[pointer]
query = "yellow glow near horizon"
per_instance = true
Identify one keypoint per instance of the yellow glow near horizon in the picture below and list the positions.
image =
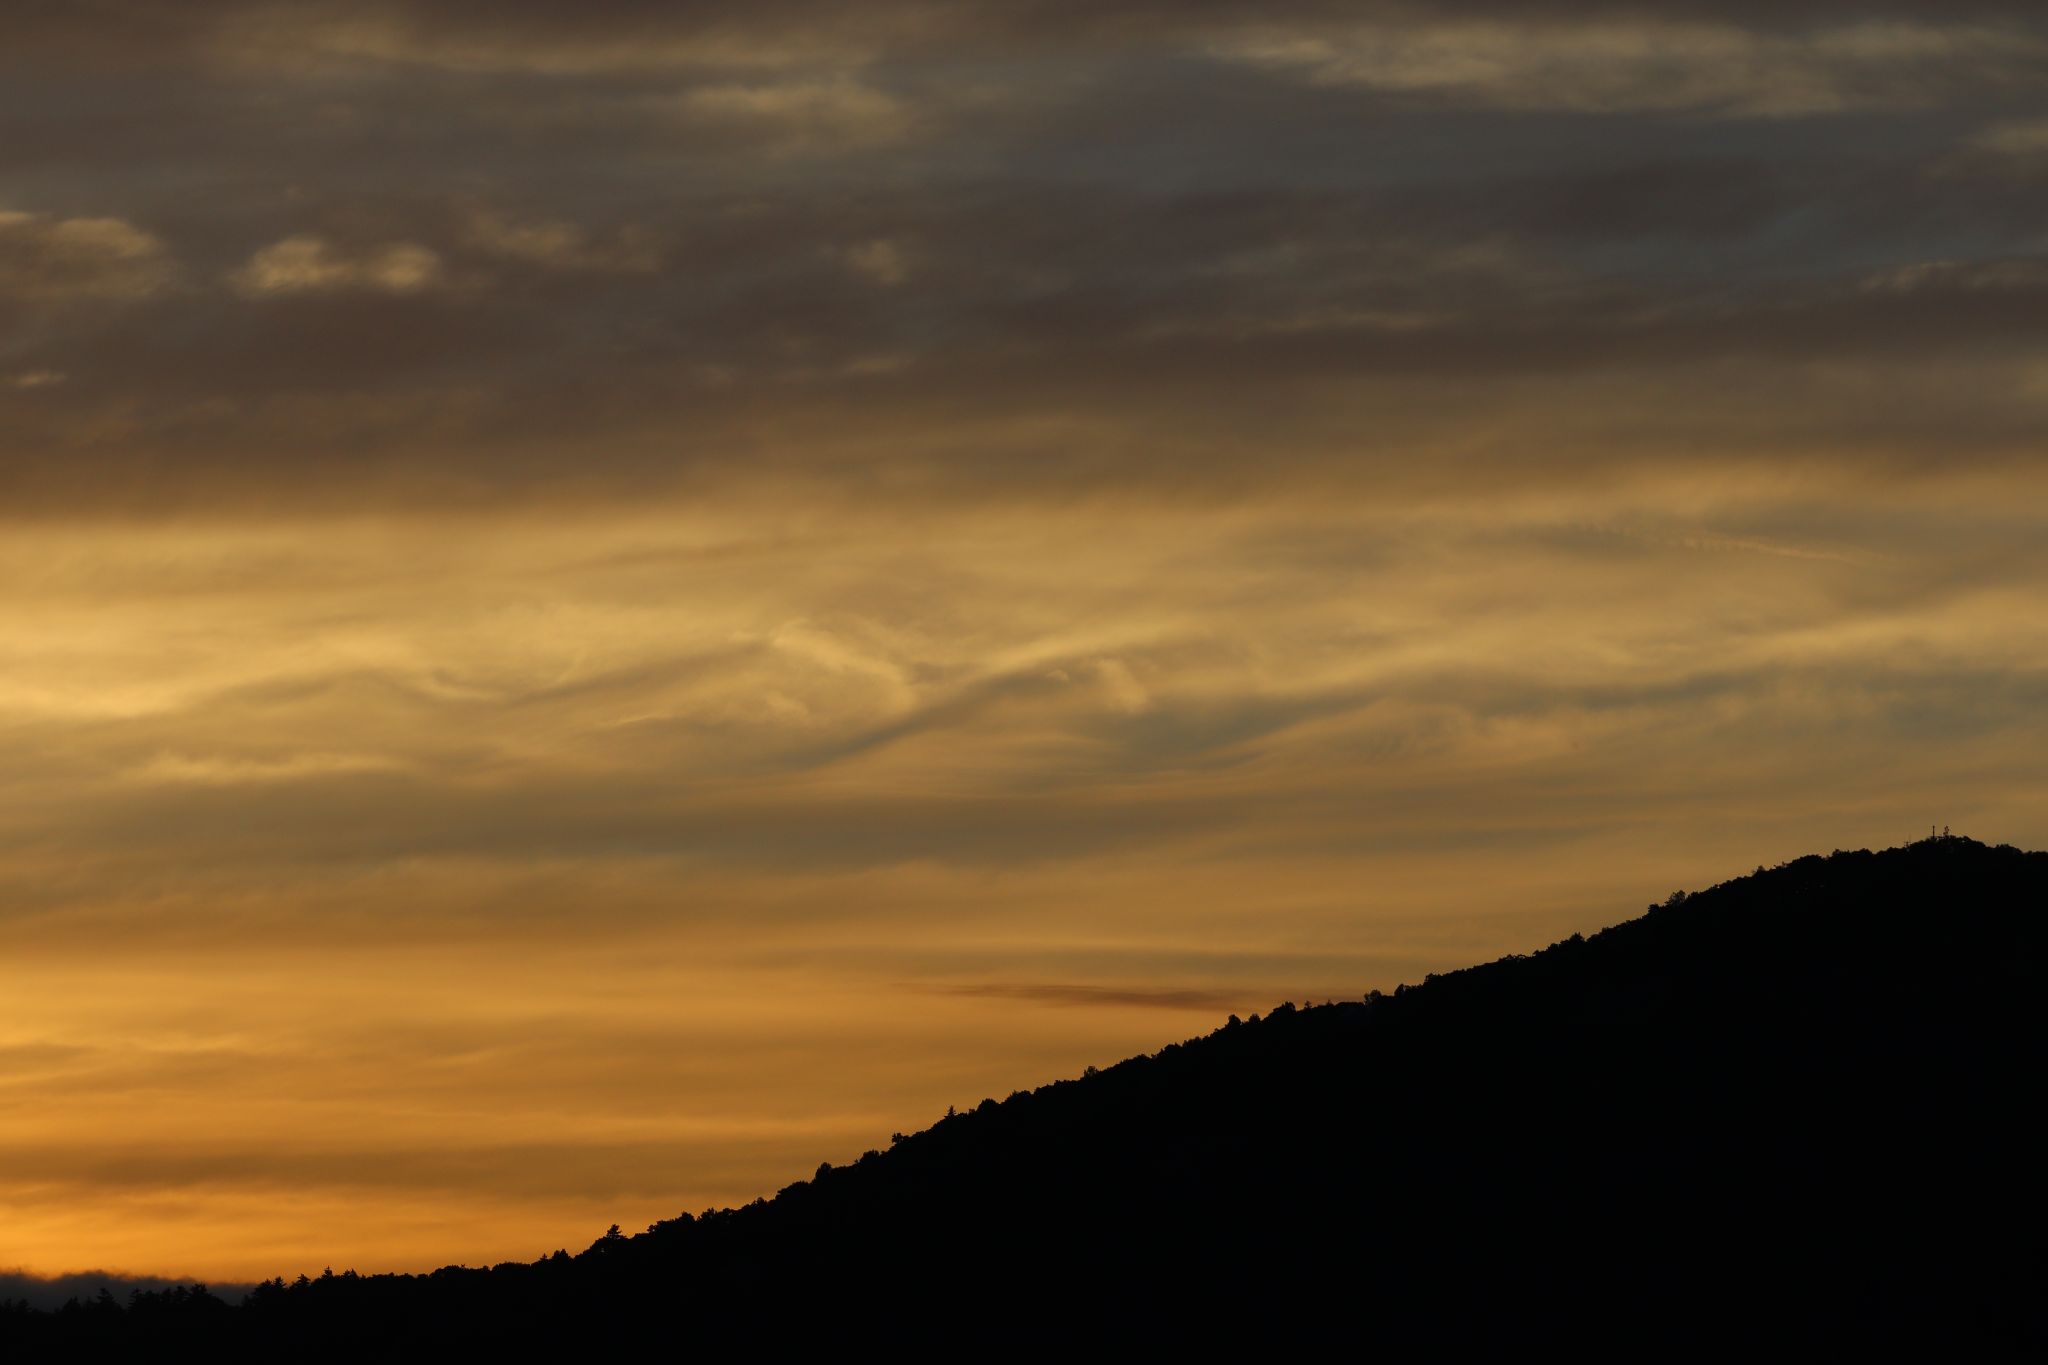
(393, 893)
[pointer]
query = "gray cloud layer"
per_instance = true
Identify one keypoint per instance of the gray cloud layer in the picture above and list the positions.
(429, 250)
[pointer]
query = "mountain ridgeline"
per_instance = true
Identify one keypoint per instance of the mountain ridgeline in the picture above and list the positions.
(1789, 1112)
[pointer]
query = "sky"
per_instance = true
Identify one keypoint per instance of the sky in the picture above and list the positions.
(602, 603)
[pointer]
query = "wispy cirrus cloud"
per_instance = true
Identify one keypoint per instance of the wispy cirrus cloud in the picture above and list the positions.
(1092, 996)
(797, 116)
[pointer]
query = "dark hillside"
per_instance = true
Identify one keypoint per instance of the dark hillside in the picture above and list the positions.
(1791, 1112)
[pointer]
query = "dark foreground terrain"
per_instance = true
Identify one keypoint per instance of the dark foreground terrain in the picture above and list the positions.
(1791, 1113)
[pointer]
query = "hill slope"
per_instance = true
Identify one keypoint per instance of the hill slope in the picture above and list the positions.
(1788, 1111)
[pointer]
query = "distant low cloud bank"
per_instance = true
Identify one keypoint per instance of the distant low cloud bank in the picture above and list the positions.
(52, 1291)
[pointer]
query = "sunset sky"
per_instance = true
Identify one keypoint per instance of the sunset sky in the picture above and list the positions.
(603, 602)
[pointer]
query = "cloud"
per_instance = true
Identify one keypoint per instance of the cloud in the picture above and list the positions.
(611, 40)
(2022, 138)
(1614, 66)
(310, 264)
(650, 267)
(180, 769)
(881, 260)
(788, 117)
(1206, 1002)
(51, 260)
(36, 379)
(556, 245)
(623, 38)
(2000, 277)
(53, 1291)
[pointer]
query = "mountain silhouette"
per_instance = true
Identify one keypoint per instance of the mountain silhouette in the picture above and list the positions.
(1792, 1112)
